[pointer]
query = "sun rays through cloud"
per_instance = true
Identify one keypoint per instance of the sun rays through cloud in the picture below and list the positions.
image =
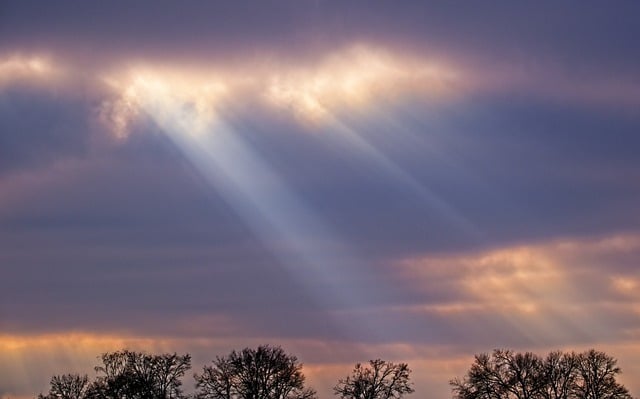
(357, 78)
(413, 182)
(311, 253)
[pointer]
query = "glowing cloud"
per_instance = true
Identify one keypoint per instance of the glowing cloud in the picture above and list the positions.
(185, 106)
(542, 289)
(21, 68)
(185, 101)
(193, 97)
(356, 78)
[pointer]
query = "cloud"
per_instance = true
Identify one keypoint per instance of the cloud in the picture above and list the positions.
(41, 128)
(356, 77)
(345, 80)
(160, 93)
(555, 293)
(455, 179)
(26, 70)
(533, 169)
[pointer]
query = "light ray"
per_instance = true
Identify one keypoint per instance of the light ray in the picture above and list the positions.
(355, 80)
(312, 254)
(540, 291)
(398, 174)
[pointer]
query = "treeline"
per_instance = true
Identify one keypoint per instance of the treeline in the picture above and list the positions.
(269, 373)
(263, 373)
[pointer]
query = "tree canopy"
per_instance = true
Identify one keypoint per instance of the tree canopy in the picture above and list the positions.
(377, 380)
(505, 374)
(67, 386)
(263, 373)
(136, 375)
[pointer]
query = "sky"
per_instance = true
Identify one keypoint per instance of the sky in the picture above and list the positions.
(412, 181)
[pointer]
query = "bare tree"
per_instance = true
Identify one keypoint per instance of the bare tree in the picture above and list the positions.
(508, 375)
(68, 386)
(597, 380)
(503, 374)
(522, 373)
(560, 375)
(262, 373)
(134, 375)
(378, 380)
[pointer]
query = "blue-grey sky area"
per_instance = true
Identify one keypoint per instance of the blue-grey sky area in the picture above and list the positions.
(416, 181)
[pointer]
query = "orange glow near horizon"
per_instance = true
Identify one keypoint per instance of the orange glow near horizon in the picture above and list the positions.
(27, 361)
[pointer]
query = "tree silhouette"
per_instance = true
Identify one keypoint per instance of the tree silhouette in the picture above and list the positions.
(560, 375)
(262, 373)
(509, 375)
(378, 380)
(68, 386)
(135, 375)
(597, 377)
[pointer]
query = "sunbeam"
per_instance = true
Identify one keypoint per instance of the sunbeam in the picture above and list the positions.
(396, 173)
(312, 253)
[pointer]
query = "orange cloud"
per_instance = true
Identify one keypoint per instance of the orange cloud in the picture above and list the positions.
(536, 286)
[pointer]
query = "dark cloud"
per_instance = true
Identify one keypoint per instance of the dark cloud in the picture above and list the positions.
(40, 126)
(584, 38)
